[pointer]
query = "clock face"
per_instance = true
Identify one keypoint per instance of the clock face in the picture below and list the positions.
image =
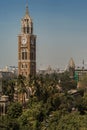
(24, 40)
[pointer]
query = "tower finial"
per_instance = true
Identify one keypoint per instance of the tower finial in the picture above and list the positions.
(27, 12)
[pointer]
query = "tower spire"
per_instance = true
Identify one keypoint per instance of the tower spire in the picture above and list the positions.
(27, 11)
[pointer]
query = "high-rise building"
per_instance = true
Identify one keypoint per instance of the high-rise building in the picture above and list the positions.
(26, 47)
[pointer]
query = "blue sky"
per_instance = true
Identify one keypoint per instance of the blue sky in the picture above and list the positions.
(60, 26)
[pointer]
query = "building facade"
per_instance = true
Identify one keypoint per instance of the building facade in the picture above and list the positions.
(27, 47)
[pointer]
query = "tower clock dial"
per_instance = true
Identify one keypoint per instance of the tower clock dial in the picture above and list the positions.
(24, 40)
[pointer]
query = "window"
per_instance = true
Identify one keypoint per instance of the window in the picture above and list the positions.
(24, 66)
(24, 54)
(34, 40)
(31, 30)
(32, 68)
(32, 55)
(27, 29)
(26, 73)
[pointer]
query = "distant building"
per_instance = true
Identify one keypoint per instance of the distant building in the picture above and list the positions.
(6, 75)
(71, 68)
(4, 102)
(50, 70)
(8, 72)
(76, 71)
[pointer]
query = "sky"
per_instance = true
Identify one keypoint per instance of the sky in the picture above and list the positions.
(60, 26)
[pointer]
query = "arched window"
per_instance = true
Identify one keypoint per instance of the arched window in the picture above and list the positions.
(24, 65)
(24, 54)
(32, 55)
(24, 29)
(27, 29)
(32, 68)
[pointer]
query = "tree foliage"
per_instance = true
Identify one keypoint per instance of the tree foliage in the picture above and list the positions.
(50, 106)
(14, 110)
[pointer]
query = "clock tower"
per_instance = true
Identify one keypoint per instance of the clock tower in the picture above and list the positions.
(27, 47)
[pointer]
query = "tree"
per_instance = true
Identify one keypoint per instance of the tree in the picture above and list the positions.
(66, 82)
(31, 118)
(8, 88)
(72, 121)
(21, 88)
(14, 110)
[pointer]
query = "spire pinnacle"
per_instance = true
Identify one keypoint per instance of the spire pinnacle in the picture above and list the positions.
(27, 11)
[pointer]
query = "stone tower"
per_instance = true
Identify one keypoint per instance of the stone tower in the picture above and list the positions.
(27, 47)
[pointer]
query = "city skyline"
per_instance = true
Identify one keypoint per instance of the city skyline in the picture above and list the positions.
(60, 26)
